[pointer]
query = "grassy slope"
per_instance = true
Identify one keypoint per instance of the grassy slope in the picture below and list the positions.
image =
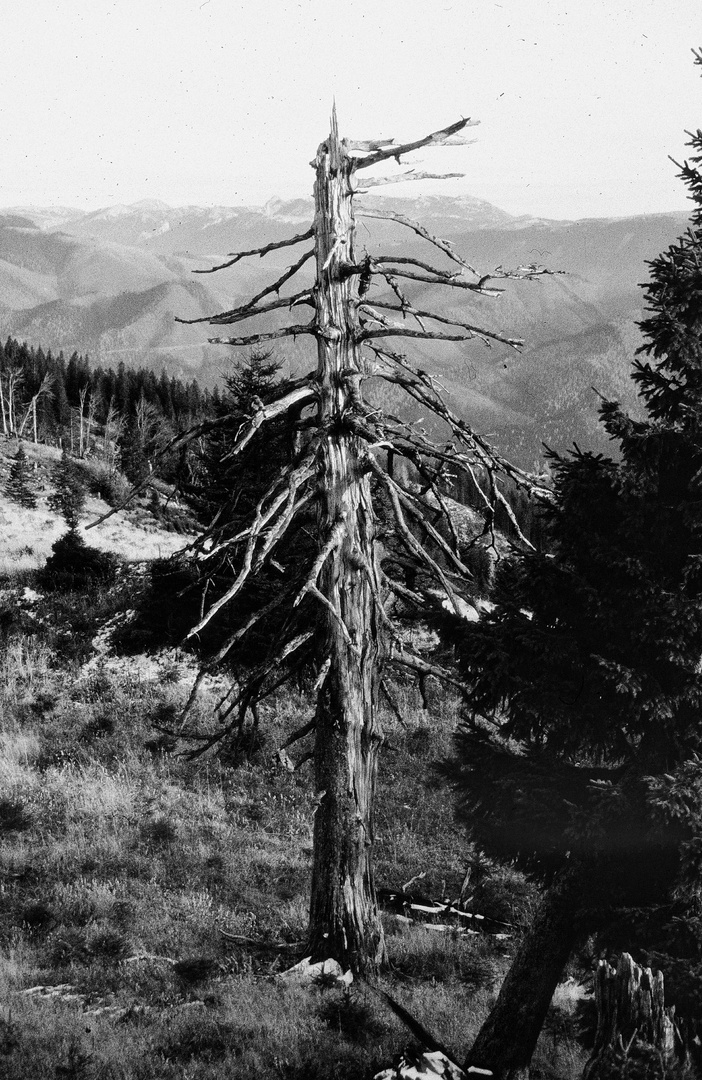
(120, 865)
(26, 536)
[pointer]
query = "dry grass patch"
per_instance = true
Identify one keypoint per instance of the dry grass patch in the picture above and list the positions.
(172, 892)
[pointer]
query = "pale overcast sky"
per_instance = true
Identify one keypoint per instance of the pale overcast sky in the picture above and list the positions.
(225, 101)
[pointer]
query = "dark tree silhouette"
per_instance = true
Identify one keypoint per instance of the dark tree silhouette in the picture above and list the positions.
(19, 486)
(580, 758)
(68, 496)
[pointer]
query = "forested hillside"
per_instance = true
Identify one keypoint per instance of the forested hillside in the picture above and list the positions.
(124, 415)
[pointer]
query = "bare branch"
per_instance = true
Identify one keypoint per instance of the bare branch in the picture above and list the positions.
(332, 543)
(409, 500)
(418, 385)
(381, 181)
(303, 392)
(252, 560)
(273, 335)
(486, 336)
(248, 693)
(301, 733)
(443, 508)
(385, 689)
(405, 331)
(238, 314)
(417, 663)
(326, 602)
(404, 260)
(276, 285)
(435, 139)
(262, 613)
(297, 392)
(409, 223)
(511, 515)
(451, 280)
(236, 256)
(366, 144)
(409, 538)
(401, 590)
(405, 304)
(522, 273)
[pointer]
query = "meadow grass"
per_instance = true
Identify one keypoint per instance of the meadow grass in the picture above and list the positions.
(165, 897)
(27, 535)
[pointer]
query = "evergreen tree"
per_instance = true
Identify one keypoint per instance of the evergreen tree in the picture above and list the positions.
(581, 756)
(239, 483)
(133, 456)
(228, 490)
(19, 485)
(68, 497)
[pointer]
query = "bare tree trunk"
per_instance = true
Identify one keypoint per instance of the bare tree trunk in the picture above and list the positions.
(507, 1040)
(344, 918)
(81, 445)
(2, 407)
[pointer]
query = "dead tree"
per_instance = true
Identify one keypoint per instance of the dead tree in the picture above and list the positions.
(339, 467)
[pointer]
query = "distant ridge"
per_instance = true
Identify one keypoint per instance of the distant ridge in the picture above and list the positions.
(111, 282)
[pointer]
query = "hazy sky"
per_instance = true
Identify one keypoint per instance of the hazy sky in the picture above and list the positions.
(225, 101)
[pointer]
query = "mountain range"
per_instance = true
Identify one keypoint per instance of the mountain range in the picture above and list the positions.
(111, 282)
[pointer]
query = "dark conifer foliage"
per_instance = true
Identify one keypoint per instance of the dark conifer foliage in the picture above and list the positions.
(74, 565)
(228, 491)
(68, 496)
(19, 485)
(581, 755)
(240, 482)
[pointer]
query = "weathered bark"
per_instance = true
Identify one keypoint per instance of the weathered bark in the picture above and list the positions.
(344, 918)
(506, 1041)
(630, 1006)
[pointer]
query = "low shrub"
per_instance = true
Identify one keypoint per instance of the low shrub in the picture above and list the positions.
(109, 484)
(74, 564)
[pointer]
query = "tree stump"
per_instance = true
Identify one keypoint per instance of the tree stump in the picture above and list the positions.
(630, 1010)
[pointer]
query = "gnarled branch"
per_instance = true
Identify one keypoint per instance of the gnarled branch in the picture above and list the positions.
(410, 540)
(245, 311)
(434, 335)
(409, 223)
(237, 255)
(437, 138)
(272, 335)
(486, 336)
(381, 181)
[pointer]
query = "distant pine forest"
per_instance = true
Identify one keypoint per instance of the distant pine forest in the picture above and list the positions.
(126, 415)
